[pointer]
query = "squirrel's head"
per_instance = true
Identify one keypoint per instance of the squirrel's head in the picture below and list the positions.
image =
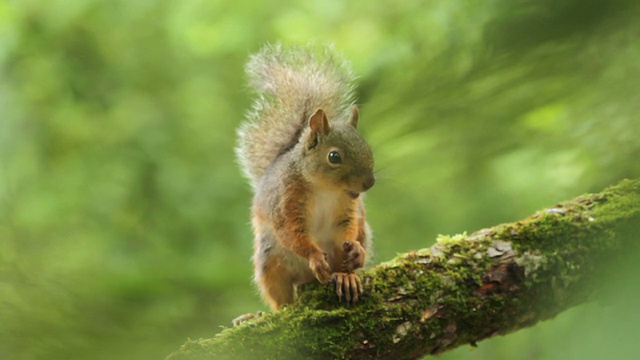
(337, 155)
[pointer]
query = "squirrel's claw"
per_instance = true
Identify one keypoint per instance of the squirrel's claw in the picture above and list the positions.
(338, 278)
(349, 285)
(246, 317)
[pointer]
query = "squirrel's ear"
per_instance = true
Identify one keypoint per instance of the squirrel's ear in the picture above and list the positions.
(355, 115)
(319, 123)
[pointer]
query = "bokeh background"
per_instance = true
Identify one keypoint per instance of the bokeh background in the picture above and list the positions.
(124, 224)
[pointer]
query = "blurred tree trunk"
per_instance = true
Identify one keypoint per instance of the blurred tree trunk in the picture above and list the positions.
(463, 289)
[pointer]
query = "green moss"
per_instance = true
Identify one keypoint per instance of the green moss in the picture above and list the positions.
(459, 291)
(531, 263)
(451, 239)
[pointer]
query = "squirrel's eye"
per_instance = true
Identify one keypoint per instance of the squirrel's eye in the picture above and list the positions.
(334, 157)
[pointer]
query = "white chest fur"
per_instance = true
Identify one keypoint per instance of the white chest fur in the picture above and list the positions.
(323, 217)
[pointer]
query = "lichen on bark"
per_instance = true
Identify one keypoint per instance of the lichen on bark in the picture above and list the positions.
(463, 289)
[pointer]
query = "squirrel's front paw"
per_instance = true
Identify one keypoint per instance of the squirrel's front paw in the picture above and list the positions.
(320, 267)
(349, 285)
(353, 255)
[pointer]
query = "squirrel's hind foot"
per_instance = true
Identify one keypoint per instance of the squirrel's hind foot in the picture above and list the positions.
(246, 317)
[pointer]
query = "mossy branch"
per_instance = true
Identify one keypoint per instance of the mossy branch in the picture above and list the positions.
(463, 289)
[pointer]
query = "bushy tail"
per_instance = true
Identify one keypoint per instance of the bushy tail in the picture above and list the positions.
(291, 83)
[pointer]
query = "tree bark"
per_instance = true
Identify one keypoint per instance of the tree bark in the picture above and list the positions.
(463, 289)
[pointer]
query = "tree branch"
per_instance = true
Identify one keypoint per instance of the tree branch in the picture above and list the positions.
(463, 289)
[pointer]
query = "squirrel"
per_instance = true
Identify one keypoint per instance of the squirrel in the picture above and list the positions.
(308, 166)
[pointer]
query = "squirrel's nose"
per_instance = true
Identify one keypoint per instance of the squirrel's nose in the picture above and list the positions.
(368, 182)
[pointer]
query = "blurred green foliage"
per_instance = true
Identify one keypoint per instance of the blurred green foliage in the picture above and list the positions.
(123, 216)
